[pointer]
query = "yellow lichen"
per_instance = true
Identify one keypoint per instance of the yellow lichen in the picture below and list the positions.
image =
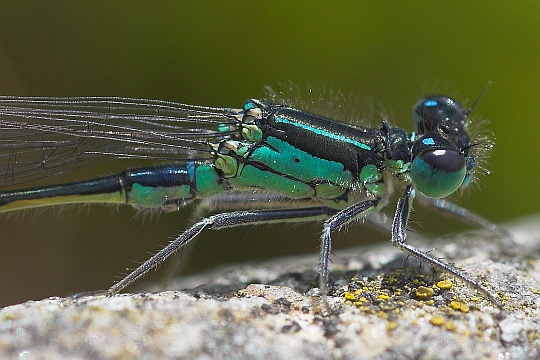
(391, 325)
(382, 315)
(444, 284)
(450, 326)
(459, 305)
(424, 292)
(437, 320)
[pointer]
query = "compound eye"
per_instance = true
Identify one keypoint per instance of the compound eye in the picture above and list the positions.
(437, 173)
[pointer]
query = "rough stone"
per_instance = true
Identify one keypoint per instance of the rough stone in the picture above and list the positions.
(271, 310)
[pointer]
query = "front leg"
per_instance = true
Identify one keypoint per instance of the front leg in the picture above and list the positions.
(399, 237)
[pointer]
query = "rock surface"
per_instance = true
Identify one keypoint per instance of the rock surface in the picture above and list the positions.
(271, 310)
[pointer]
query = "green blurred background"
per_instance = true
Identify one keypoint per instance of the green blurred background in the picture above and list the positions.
(219, 54)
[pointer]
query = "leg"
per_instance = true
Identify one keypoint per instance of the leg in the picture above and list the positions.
(343, 217)
(231, 202)
(462, 214)
(399, 226)
(221, 221)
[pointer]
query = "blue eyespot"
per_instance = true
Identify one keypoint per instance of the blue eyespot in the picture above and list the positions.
(437, 173)
(431, 103)
(428, 141)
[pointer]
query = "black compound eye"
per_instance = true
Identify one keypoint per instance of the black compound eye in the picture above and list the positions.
(437, 112)
(437, 173)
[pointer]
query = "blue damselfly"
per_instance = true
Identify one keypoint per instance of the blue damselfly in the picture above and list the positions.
(268, 161)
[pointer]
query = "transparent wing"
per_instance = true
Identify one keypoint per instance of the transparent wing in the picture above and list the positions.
(41, 137)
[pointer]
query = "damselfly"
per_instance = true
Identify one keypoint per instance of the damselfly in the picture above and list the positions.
(282, 163)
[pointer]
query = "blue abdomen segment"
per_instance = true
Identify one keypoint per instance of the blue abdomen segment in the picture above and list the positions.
(160, 188)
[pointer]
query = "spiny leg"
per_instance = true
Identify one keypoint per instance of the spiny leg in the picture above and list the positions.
(399, 226)
(221, 221)
(332, 224)
(230, 202)
(259, 201)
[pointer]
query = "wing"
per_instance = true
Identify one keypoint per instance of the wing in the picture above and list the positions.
(41, 137)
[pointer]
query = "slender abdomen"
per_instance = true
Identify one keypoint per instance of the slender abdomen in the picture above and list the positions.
(162, 187)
